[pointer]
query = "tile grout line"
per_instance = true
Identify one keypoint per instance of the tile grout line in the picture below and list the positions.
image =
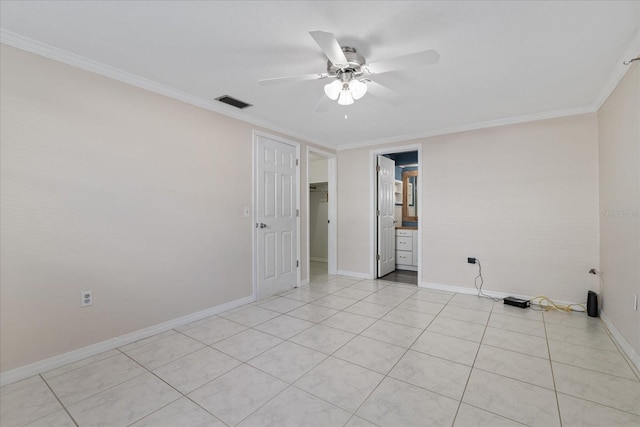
(328, 356)
(181, 395)
(106, 389)
(514, 351)
(634, 369)
(496, 414)
(394, 365)
(80, 367)
(551, 362)
(600, 404)
(553, 376)
(472, 367)
(292, 384)
(59, 401)
(279, 379)
(593, 370)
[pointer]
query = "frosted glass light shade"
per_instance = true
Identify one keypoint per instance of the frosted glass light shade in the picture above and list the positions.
(345, 97)
(358, 89)
(332, 90)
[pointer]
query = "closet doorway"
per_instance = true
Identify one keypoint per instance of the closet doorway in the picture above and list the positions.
(321, 214)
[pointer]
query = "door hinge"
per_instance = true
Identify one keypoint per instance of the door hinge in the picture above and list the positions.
(378, 257)
(298, 264)
(378, 212)
(297, 212)
(328, 221)
(297, 162)
(378, 168)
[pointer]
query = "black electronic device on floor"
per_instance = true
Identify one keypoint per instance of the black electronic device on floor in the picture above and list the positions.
(516, 302)
(592, 304)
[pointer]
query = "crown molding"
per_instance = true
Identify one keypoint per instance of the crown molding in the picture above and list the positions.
(473, 126)
(617, 73)
(33, 46)
(619, 70)
(30, 45)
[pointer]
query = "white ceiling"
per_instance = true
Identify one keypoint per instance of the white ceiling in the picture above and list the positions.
(499, 61)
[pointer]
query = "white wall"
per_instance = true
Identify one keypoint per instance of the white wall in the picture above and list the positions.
(619, 155)
(318, 169)
(108, 187)
(522, 198)
(354, 223)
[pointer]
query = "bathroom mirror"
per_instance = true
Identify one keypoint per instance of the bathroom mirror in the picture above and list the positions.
(410, 196)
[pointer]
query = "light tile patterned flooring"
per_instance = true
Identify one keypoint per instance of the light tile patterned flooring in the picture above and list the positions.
(345, 352)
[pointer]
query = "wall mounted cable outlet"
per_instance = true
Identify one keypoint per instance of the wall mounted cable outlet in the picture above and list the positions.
(87, 298)
(471, 260)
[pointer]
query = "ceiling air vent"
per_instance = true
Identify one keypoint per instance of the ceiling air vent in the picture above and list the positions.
(233, 102)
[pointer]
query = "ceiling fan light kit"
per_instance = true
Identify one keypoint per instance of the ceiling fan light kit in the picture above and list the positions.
(346, 66)
(358, 89)
(332, 90)
(345, 98)
(345, 89)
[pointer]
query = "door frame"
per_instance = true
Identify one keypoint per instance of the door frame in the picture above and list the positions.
(373, 197)
(332, 245)
(254, 203)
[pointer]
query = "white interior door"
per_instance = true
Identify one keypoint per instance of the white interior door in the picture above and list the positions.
(385, 214)
(276, 216)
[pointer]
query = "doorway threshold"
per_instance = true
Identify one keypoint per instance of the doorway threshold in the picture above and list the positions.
(402, 276)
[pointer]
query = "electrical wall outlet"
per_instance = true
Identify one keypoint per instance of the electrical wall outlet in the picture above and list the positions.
(471, 260)
(87, 298)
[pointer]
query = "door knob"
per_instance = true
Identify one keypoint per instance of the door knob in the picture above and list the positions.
(261, 225)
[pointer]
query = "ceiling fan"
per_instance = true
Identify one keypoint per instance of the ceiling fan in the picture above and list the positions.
(349, 71)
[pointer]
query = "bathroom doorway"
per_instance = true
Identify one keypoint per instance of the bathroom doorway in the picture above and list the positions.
(407, 204)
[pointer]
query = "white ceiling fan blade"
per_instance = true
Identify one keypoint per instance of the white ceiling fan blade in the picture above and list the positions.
(384, 93)
(323, 105)
(427, 57)
(330, 46)
(289, 79)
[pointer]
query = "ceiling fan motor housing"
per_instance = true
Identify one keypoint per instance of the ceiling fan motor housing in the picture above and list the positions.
(353, 66)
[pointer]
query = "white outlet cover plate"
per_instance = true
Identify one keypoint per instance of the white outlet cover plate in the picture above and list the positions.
(86, 298)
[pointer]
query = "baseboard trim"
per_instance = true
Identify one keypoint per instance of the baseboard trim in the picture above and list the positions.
(473, 291)
(621, 341)
(459, 289)
(54, 362)
(354, 274)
